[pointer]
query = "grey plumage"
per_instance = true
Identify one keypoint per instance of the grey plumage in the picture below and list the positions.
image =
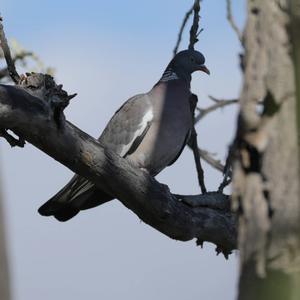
(149, 129)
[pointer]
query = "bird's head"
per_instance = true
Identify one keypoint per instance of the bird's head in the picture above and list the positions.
(189, 61)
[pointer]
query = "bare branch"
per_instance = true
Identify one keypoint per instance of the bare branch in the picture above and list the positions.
(186, 17)
(32, 117)
(232, 22)
(218, 104)
(214, 200)
(226, 181)
(193, 140)
(210, 160)
(193, 143)
(9, 61)
(194, 33)
(12, 140)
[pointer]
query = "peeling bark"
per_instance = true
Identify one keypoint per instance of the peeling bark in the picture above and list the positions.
(266, 171)
(295, 27)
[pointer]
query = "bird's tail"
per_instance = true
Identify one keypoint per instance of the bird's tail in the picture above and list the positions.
(78, 194)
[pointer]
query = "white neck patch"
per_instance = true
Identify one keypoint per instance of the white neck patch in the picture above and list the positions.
(169, 75)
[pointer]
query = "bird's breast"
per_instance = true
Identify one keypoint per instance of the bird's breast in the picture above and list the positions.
(172, 121)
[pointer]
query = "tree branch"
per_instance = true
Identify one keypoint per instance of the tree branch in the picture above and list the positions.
(194, 33)
(232, 22)
(12, 140)
(204, 154)
(210, 160)
(203, 112)
(6, 51)
(200, 173)
(185, 19)
(219, 103)
(193, 144)
(33, 118)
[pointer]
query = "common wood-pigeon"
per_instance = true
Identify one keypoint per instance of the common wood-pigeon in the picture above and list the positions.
(149, 129)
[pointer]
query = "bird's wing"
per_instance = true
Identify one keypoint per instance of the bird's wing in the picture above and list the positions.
(127, 128)
(123, 133)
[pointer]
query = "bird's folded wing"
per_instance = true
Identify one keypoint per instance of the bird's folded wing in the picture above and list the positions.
(128, 126)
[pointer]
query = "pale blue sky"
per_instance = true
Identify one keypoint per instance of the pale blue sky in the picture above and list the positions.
(107, 51)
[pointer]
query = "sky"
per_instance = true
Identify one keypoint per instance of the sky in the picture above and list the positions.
(108, 51)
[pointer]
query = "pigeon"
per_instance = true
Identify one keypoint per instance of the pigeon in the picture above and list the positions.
(150, 130)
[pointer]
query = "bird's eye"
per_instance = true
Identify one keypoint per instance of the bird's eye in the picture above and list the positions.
(192, 59)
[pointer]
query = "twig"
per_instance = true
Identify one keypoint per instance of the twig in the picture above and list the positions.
(200, 173)
(194, 29)
(226, 181)
(210, 160)
(218, 104)
(227, 172)
(186, 17)
(193, 144)
(232, 22)
(9, 61)
(228, 168)
(20, 142)
(193, 100)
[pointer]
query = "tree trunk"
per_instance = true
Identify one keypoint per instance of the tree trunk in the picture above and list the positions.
(266, 170)
(295, 28)
(4, 277)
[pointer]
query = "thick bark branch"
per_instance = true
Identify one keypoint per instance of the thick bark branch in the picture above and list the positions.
(32, 118)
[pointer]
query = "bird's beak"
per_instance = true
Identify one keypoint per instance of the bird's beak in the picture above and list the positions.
(204, 69)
